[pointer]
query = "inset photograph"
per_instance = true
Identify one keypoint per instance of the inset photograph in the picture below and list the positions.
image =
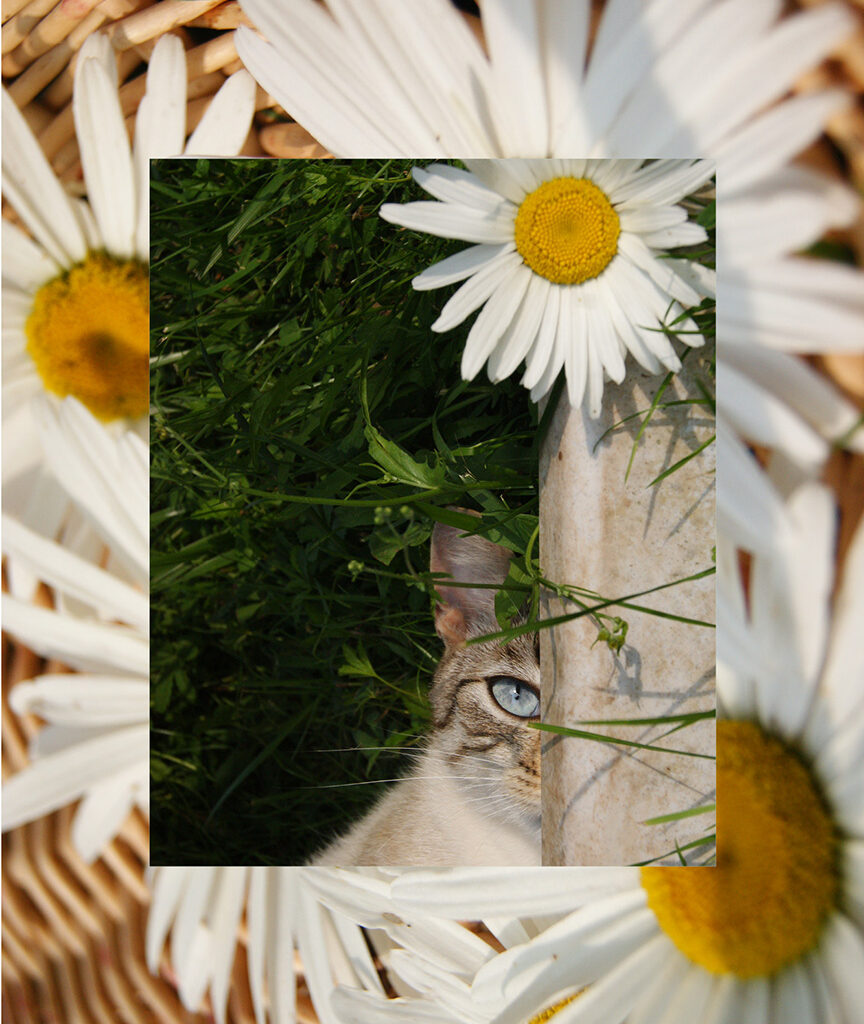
(351, 584)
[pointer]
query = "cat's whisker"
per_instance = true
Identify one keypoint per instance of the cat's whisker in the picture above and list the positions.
(403, 778)
(343, 750)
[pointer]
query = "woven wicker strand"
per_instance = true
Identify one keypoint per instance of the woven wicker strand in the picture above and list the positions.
(40, 44)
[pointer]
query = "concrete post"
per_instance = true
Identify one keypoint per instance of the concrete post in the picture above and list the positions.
(618, 537)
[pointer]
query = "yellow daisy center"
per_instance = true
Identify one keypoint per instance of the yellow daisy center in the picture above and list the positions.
(567, 230)
(88, 333)
(776, 879)
(550, 1011)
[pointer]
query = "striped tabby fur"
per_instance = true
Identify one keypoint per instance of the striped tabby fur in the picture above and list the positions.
(473, 797)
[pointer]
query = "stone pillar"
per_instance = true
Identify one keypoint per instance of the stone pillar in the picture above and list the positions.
(618, 537)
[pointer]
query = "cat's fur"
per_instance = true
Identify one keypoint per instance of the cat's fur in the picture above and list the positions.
(473, 797)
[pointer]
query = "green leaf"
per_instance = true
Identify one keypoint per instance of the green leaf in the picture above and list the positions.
(386, 543)
(510, 599)
(708, 217)
(400, 465)
(357, 663)
(678, 815)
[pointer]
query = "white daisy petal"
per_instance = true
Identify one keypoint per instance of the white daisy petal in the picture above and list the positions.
(799, 390)
(757, 514)
(519, 336)
(225, 125)
(80, 700)
(449, 220)
(549, 373)
(85, 646)
(823, 1000)
(459, 266)
(452, 185)
(572, 325)
(845, 659)
(492, 321)
(478, 892)
(343, 116)
(104, 146)
(167, 889)
(703, 280)
(30, 184)
(688, 233)
(160, 126)
(595, 380)
(256, 923)
(749, 313)
(225, 920)
(614, 995)
(763, 145)
(75, 576)
(660, 992)
(780, 215)
(353, 1007)
(496, 175)
(768, 421)
(843, 959)
(26, 265)
(56, 780)
(644, 219)
(614, 292)
(90, 465)
(281, 924)
(815, 278)
(105, 807)
(628, 41)
(794, 44)
(511, 32)
(541, 351)
(192, 959)
(792, 1000)
(853, 871)
(443, 65)
(660, 271)
(564, 31)
(680, 180)
(603, 338)
(716, 36)
(568, 954)
(476, 290)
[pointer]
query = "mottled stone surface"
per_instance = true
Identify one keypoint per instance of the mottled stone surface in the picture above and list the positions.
(617, 538)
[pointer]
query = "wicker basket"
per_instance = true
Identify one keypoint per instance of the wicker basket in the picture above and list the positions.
(73, 933)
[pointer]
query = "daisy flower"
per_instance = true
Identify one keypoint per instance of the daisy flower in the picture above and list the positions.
(774, 303)
(75, 290)
(776, 931)
(566, 265)
(95, 745)
(372, 79)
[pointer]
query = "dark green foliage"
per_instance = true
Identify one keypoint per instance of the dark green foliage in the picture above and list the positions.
(307, 428)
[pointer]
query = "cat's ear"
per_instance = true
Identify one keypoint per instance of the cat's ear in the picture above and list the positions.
(467, 558)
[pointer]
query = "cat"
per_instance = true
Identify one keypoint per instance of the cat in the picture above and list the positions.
(473, 797)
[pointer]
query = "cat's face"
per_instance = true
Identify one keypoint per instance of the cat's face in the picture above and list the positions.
(483, 698)
(484, 695)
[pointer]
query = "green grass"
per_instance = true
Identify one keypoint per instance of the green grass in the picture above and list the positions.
(307, 429)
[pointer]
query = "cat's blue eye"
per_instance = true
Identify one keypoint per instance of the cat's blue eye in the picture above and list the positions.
(516, 697)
